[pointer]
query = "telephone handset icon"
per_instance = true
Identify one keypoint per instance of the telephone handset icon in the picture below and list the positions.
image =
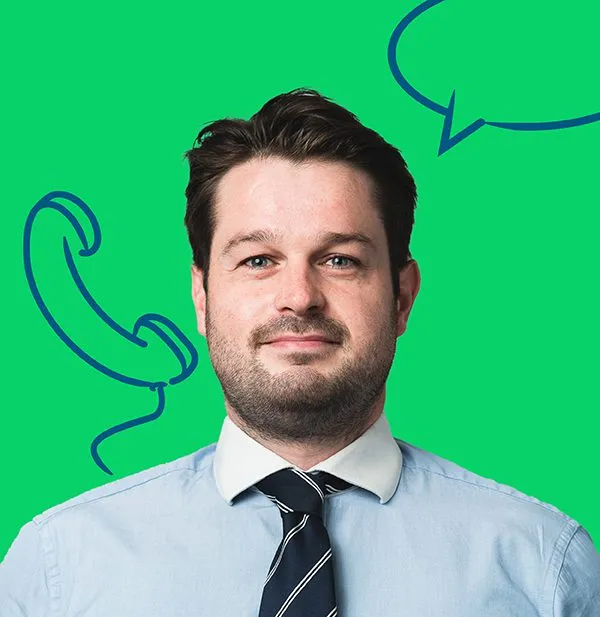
(146, 327)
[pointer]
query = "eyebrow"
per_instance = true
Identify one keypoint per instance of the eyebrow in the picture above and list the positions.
(326, 238)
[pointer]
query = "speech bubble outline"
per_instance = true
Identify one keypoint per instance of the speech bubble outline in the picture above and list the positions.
(449, 140)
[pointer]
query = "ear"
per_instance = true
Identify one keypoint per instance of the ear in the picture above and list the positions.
(409, 285)
(199, 298)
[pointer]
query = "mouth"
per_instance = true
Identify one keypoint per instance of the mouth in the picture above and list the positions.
(301, 342)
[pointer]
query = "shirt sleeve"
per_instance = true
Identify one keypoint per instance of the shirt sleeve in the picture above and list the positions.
(578, 586)
(23, 584)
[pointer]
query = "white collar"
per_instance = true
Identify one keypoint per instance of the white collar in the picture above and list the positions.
(373, 461)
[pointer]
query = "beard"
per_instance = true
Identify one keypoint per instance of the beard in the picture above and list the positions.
(301, 404)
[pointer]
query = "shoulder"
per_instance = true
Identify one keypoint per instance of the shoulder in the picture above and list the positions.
(539, 546)
(139, 487)
(446, 480)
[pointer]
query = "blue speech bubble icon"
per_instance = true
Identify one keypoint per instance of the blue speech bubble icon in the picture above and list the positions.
(450, 137)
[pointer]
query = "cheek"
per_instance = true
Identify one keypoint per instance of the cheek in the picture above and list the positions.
(375, 319)
(233, 316)
(359, 318)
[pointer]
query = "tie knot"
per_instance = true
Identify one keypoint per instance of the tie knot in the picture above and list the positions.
(294, 490)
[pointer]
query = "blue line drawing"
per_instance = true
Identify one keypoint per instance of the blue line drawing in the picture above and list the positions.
(162, 327)
(447, 139)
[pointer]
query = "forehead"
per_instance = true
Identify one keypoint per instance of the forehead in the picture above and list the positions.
(295, 199)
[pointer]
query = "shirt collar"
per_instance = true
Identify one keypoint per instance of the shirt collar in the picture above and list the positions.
(373, 461)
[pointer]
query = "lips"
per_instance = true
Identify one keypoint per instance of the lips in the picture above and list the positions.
(301, 339)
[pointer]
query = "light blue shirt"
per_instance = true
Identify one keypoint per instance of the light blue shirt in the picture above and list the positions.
(416, 536)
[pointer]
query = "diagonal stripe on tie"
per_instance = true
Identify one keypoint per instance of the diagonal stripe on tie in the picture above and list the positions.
(300, 580)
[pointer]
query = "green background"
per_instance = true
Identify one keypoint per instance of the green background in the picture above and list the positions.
(498, 369)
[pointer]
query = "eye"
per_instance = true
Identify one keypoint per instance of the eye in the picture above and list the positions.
(354, 262)
(254, 259)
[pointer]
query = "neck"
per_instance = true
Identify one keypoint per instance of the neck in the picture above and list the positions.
(307, 455)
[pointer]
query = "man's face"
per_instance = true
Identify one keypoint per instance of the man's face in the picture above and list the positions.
(295, 278)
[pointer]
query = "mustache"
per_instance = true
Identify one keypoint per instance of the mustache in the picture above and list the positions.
(329, 328)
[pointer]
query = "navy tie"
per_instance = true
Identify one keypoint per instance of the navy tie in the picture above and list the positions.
(300, 581)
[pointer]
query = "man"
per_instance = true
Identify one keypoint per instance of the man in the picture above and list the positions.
(299, 221)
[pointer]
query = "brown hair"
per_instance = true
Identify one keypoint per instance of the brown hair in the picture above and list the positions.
(298, 126)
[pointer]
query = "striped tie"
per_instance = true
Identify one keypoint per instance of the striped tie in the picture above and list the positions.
(300, 581)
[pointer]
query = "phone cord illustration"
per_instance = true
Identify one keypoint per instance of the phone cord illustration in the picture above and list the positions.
(170, 335)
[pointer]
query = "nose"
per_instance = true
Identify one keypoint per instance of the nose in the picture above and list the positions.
(299, 289)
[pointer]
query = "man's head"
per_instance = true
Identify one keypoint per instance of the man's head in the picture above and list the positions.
(300, 221)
